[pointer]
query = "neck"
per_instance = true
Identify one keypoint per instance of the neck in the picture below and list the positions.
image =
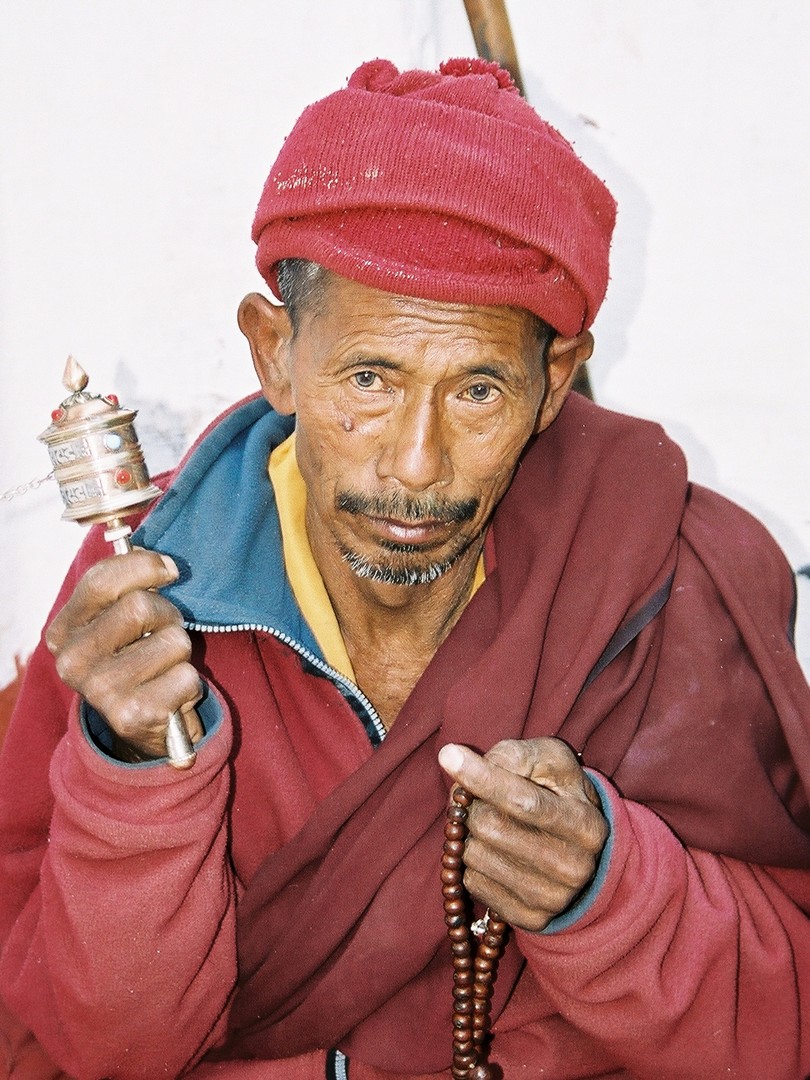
(392, 632)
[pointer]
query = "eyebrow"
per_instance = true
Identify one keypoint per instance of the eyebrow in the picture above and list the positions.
(493, 371)
(365, 360)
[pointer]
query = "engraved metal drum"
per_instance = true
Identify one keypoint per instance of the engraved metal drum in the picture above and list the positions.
(97, 460)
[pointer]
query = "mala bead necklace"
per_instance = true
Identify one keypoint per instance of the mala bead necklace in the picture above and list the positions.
(474, 965)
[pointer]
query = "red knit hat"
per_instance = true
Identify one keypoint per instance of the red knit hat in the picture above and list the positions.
(443, 185)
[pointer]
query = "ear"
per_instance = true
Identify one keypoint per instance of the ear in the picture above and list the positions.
(564, 358)
(269, 332)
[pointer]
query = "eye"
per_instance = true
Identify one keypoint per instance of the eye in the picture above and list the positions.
(481, 392)
(366, 380)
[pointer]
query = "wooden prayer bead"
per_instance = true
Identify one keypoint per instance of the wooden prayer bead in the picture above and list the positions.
(474, 966)
(465, 1060)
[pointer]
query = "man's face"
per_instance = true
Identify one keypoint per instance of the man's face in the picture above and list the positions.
(411, 415)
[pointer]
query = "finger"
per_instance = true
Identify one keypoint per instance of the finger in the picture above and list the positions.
(506, 791)
(139, 625)
(541, 868)
(136, 617)
(103, 584)
(149, 709)
(546, 761)
(554, 863)
(140, 718)
(520, 800)
(191, 718)
(139, 663)
(549, 762)
(512, 908)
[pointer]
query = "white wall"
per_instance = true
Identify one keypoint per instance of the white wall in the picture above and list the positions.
(135, 138)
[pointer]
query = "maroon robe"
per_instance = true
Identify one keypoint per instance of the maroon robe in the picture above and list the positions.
(702, 716)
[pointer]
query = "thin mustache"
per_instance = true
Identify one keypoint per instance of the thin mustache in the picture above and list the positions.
(400, 507)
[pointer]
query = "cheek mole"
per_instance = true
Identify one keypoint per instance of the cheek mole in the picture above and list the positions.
(342, 418)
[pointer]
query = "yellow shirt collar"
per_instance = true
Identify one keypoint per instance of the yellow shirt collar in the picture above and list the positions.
(305, 578)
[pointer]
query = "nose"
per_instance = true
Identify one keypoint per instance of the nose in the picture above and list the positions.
(414, 449)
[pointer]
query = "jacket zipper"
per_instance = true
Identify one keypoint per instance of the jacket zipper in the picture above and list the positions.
(331, 673)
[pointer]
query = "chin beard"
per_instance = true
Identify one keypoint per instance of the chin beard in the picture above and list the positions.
(396, 573)
(406, 564)
(404, 567)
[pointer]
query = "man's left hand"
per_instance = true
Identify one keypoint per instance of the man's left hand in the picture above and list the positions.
(535, 827)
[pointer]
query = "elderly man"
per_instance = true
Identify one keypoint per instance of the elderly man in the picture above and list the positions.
(416, 564)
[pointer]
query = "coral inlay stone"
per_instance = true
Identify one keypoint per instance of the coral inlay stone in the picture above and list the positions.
(123, 477)
(58, 415)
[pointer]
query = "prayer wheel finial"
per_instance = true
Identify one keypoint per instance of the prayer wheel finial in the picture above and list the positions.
(74, 377)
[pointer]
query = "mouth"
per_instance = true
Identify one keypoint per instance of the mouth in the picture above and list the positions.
(406, 539)
(408, 535)
(409, 523)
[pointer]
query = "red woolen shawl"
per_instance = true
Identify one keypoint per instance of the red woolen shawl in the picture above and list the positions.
(341, 933)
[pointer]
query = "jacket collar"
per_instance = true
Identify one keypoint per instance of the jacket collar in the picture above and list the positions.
(219, 521)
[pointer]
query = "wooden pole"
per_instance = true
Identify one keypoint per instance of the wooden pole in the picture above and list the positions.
(492, 34)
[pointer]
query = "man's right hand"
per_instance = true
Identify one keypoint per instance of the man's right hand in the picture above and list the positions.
(122, 646)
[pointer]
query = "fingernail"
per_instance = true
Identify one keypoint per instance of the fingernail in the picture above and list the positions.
(170, 565)
(451, 757)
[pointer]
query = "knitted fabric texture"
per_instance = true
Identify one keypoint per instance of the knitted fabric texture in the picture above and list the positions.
(443, 185)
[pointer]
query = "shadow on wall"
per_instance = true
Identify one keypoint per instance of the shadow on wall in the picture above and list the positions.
(628, 258)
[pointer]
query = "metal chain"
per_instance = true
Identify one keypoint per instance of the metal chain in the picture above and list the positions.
(23, 489)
